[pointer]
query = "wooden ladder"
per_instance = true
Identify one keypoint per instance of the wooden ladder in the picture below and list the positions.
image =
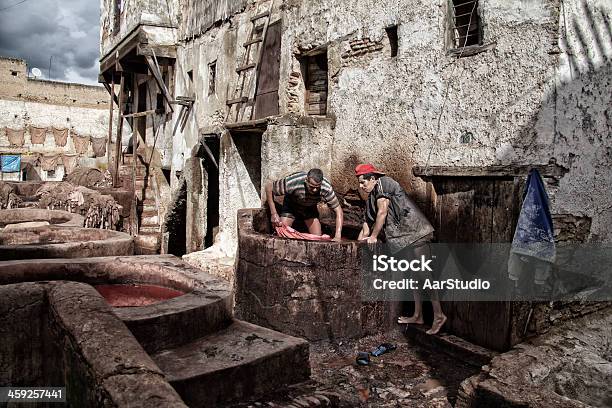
(245, 96)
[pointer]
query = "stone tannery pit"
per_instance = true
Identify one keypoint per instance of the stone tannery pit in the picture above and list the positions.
(171, 352)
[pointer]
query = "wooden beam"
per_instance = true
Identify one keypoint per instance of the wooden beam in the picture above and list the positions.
(111, 91)
(119, 132)
(257, 124)
(210, 154)
(549, 170)
(140, 114)
(471, 50)
(161, 51)
(160, 82)
(122, 49)
(135, 138)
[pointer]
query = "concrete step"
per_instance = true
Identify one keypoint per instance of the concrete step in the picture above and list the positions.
(150, 200)
(240, 361)
(149, 220)
(147, 231)
(149, 206)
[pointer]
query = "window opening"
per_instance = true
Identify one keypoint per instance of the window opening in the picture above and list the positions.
(393, 39)
(464, 23)
(212, 76)
(315, 74)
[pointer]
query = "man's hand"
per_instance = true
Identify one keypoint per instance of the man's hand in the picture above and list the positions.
(275, 219)
(371, 241)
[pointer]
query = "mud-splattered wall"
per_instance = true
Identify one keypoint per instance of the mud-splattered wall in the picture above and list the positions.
(516, 100)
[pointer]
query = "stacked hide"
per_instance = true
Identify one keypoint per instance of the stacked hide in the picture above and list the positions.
(8, 198)
(100, 211)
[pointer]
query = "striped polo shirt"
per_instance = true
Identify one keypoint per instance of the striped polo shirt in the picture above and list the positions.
(294, 187)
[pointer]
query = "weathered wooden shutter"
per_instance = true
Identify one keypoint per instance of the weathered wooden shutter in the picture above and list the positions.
(266, 99)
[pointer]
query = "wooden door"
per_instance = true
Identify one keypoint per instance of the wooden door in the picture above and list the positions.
(266, 99)
(476, 210)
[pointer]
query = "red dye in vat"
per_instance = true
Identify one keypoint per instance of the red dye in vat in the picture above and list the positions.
(135, 295)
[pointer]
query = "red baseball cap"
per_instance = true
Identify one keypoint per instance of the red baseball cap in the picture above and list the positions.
(365, 169)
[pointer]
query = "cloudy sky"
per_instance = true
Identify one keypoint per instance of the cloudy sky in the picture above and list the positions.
(67, 30)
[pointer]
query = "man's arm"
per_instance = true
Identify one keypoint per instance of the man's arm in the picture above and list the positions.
(275, 219)
(365, 232)
(339, 222)
(381, 216)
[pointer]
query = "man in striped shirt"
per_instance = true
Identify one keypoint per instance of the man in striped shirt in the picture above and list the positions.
(302, 192)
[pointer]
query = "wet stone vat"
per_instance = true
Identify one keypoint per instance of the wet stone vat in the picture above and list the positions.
(303, 288)
(125, 295)
(63, 242)
(173, 343)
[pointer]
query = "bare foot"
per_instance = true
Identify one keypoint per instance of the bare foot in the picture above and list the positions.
(437, 324)
(410, 320)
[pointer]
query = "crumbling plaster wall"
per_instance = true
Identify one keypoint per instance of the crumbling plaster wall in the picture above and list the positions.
(387, 108)
(156, 13)
(510, 98)
(574, 125)
(293, 143)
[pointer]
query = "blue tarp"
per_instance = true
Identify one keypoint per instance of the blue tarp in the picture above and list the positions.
(10, 163)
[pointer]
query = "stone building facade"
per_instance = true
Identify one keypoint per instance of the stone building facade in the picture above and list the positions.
(425, 90)
(76, 112)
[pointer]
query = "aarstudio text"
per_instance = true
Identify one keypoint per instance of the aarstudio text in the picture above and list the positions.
(446, 284)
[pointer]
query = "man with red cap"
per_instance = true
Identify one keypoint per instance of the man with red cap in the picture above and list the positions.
(394, 218)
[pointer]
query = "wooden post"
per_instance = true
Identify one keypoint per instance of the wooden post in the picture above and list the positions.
(111, 105)
(119, 132)
(135, 137)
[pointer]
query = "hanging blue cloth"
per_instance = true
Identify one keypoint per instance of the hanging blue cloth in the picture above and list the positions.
(10, 163)
(533, 245)
(534, 231)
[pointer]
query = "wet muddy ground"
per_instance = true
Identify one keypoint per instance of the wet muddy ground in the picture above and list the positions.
(410, 376)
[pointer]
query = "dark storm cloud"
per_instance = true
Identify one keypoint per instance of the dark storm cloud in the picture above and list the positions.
(67, 30)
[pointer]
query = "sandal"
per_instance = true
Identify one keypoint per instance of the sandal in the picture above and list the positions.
(382, 349)
(363, 358)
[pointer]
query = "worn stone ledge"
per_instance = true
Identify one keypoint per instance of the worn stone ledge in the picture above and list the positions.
(452, 345)
(54, 217)
(568, 367)
(63, 242)
(300, 121)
